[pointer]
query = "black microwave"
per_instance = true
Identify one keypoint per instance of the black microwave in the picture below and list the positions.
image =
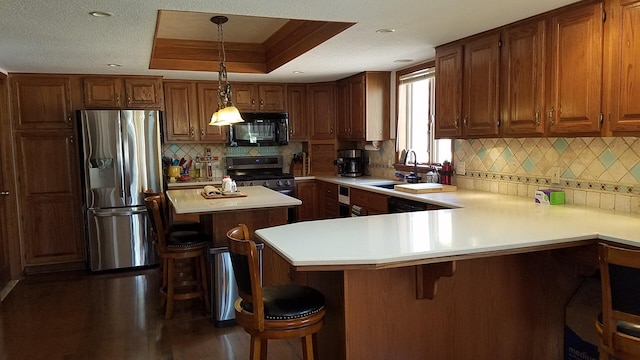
(260, 129)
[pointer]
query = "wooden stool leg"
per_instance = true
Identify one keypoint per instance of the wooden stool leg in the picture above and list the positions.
(203, 280)
(169, 310)
(256, 353)
(307, 348)
(163, 286)
(263, 349)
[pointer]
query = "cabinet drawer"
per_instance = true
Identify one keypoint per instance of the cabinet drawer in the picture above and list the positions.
(375, 203)
(329, 190)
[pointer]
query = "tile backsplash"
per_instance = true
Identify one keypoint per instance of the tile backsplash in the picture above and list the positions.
(191, 151)
(594, 171)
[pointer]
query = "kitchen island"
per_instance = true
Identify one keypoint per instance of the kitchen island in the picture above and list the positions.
(487, 280)
(261, 207)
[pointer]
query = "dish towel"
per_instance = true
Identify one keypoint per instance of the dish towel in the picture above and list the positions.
(211, 190)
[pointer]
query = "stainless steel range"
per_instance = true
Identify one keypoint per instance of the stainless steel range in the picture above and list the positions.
(261, 171)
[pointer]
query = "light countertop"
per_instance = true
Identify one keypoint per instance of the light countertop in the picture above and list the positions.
(190, 201)
(477, 223)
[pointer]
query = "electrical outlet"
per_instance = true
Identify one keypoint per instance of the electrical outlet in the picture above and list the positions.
(461, 168)
(555, 175)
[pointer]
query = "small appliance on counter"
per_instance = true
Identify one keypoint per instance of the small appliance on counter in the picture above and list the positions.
(350, 162)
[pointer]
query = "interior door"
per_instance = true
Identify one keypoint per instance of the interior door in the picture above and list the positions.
(5, 193)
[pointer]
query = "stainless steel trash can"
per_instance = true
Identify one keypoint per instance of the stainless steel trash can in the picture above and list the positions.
(224, 291)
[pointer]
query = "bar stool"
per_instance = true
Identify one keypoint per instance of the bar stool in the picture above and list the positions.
(272, 312)
(165, 210)
(175, 247)
(619, 323)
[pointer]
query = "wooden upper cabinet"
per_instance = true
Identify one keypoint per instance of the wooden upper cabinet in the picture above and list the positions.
(41, 102)
(343, 113)
(188, 109)
(481, 94)
(181, 111)
(142, 93)
(624, 85)
(576, 71)
(362, 107)
(114, 92)
(523, 78)
(298, 112)
(358, 102)
(258, 97)
(322, 111)
(207, 105)
(448, 91)
(244, 96)
(271, 97)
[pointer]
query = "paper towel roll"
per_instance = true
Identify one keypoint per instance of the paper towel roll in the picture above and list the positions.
(374, 146)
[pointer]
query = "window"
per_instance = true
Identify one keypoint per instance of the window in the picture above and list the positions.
(416, 115)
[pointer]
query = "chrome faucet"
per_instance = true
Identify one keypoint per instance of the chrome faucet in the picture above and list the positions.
(415, 160)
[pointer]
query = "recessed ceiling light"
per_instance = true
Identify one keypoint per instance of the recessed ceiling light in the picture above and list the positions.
(114, 65)
(100, 14)
(385, 31)
(403, 60)
(298, 72)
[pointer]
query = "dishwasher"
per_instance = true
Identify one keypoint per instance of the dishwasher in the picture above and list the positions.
(222, 286)
(400, 205)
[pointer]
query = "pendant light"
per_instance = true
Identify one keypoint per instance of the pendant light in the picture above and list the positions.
(227, 113)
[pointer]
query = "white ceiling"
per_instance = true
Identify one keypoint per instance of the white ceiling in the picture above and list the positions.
(61, 37)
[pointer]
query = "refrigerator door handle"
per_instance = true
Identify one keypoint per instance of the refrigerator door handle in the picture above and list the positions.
(123, 213)
(123, 185)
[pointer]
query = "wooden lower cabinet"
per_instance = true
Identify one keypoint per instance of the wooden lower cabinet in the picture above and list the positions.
(498, 307)
(306, 192)
(327, 200)
(370, 202)
(51, 209)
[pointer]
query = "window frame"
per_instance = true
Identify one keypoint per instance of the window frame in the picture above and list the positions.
(400, 73)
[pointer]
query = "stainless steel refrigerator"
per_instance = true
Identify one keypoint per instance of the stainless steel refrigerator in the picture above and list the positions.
(121, 153)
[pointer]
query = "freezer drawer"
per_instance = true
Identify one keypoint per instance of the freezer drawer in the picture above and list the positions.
(119, 238)
(224, 290)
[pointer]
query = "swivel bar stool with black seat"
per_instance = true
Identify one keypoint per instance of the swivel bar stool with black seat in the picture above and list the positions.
(271, 312)
(619, 325)
(179, 246)
(165, 210)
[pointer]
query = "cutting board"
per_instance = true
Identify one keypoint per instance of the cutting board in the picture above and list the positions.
(424, 188)
(223, 196)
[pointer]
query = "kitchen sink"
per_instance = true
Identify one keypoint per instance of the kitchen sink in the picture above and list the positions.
(385, 186)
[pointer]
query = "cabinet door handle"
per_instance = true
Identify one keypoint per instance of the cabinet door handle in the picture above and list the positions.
(331, 131)
(193, 132)
(117, 100)
(71, 139)
(551, 116)
(261, 104)
(202, 132)
(5, 193)
(455, 123)
(128, 99)
(465, 121)
(537, 116)
(69, 118)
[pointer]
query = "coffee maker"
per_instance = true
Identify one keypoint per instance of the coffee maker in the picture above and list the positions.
(350, 162)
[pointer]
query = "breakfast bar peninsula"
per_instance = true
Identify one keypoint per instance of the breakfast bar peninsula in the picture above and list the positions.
(488, 280)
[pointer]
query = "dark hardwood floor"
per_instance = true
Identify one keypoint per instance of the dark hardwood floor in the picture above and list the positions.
(114, 316)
